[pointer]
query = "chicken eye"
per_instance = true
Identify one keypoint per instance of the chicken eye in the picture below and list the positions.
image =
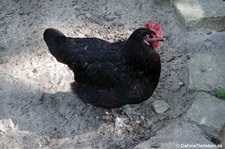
(150, 36)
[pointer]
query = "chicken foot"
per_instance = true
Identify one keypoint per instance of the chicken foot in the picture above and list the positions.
(119, 122)
(130, 112)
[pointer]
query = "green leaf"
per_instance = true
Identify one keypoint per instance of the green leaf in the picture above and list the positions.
(220, 93)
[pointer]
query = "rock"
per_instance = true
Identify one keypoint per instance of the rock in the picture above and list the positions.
(177, 135)
(223, 137)
(217, 39)
(88, 15)
(160, 106)
(155, 145)
(6, 125)
(12, 137)
(181, 84)
(209, 112)
(204, 43)
(200, 13)
(206, 72)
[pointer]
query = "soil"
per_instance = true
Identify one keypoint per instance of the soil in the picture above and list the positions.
(37, 107)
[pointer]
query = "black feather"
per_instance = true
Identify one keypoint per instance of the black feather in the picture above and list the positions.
(108, 75)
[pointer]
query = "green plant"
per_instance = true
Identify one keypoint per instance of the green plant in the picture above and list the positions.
(220, 93)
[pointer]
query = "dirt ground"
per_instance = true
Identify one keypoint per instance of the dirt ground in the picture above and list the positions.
(37, 107)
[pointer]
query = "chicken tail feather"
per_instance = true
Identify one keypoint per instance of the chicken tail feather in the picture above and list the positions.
(52, 38)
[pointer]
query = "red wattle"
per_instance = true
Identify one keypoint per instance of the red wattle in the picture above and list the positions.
(155, 44)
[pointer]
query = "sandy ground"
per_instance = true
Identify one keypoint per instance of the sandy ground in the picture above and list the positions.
(37, 108)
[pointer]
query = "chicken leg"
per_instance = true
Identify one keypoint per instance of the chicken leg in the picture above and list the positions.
(130, 112)
(119, 122)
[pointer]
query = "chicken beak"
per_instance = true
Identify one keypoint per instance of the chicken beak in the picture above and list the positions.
(160, 39)
(148, 39)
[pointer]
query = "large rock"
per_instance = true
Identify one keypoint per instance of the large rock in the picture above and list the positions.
(198, 13)
(177, 135)
(209, 112)
(212, 42)
(223, 137)
(160, 106)
(207, 71)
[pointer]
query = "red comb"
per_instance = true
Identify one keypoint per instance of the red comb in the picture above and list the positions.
(155, 27)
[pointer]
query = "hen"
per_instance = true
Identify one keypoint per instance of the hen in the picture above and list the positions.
(111, 75)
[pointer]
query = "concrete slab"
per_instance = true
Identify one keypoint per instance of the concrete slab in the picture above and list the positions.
(200, 13)
(208, 111)
(176, 136)
(198, 42)
(206, 71)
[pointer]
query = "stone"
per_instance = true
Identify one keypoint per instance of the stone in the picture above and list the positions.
(88, 15)
(177, 135)
(223, 137)
(181, 84)
(206, 72)
(213, 43)
(217, 39)
(207, 111)
(160, 106)
(200, 13)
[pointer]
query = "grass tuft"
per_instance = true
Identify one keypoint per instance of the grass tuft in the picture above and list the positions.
(220, 93)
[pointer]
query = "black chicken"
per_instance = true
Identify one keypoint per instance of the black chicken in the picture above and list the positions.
(111, 75)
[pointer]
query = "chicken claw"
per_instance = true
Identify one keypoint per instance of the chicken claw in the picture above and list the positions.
(130, 112)
(119, 122)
